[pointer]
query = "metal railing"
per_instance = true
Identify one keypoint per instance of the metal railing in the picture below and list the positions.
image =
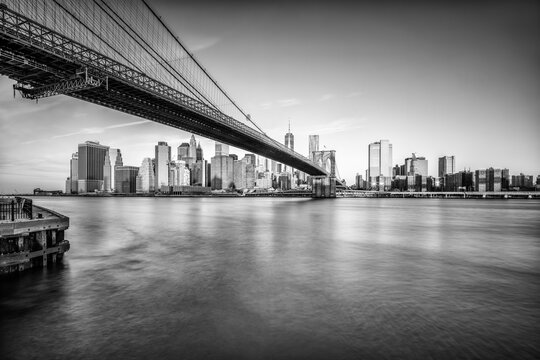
(16, 208)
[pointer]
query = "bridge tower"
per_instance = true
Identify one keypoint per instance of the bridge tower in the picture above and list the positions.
(324, 186)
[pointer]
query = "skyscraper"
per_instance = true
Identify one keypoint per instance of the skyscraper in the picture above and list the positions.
(72, 187)
(447, 165)
(289, 143)
(193, 148)
(385, 159)
(183, 151)
(90, 166)
(419, 165)
(222, 149)
(126, 179)
(162, 160)
(313, 145)
(199, 153)
(145, 177)
(107, 186)
(374, 158)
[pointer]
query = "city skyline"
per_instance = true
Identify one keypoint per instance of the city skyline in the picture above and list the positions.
(467, 87)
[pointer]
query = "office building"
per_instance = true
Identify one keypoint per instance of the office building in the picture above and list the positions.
(480, 180)
(107, 173)
(313, 145)
(183, 151)
(90, 165)
(222, 171)
(161, 165)
(193, 148)
(379, 161)
(419, 165)
(125, 178)
(199, 153)
(289, 143)
(145, 177)
(222, 149)
(71, 182)
(447, 165)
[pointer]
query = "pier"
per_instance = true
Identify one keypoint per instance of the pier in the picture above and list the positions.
(30, 235)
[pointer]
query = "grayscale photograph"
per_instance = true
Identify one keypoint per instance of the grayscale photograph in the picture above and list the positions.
(269, 179)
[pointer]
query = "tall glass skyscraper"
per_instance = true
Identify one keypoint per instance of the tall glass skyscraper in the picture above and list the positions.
(379, 160)
(313, 145)
(90, 166)
(447, 165)
(163, 158)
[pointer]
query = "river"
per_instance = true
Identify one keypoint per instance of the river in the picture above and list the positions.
(277, 278)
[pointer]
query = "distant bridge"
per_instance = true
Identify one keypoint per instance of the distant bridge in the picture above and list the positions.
(121, 55)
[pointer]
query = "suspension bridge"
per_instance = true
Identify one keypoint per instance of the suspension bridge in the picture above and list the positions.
(120, 54)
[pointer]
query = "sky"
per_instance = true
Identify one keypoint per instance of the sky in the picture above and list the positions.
(434, 78)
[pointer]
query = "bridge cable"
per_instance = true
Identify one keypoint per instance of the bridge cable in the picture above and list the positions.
(187, 83)
(200, 66)
(96, 35)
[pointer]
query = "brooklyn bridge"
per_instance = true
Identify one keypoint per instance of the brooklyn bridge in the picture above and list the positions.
(122, 55)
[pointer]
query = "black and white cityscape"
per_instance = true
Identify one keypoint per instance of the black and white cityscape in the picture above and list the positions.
(269, 180)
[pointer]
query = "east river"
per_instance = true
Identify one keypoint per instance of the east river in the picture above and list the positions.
(276, 278)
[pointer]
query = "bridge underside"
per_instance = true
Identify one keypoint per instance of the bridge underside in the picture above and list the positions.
(35, 66)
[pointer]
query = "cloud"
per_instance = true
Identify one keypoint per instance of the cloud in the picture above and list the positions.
(92, 130)
(203, 44)
(341, 125)
(327, 97)
(354, 94)
(288, 102)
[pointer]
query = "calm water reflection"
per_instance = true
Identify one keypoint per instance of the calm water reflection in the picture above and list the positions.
(283, 278)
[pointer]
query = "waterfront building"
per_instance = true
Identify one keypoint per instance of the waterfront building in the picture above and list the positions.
(505, 179)
(91, 161)
(126, 179)
(408, 167)
(244, 173)
(161, 166)
(359, 183)
(264, 180)
(145, 177)
(107, 173)
(480, 180)
(523, 182)
(494, 179)
(313, 145)
(419, 165)
(379, 161)
(199, 173)
(179, 173)
(447, 165)
(117, 154)
(284, 181)
(222, 170)
(71, 182)
(460, 181)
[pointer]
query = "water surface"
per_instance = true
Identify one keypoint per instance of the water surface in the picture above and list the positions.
(218, 278)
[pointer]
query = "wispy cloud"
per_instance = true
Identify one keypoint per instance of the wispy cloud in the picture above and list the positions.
(341, 125)
(354, 94)
(288, 102)
(326, 97)
(92, 130)
(280, 103)
(203, 44)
